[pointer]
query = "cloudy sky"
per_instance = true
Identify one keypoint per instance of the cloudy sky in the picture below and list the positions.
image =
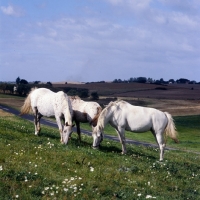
(95, 40)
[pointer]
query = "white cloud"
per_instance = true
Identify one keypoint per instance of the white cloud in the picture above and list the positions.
(183, 19)
(182, 6)
(135, 5)
(11, 10)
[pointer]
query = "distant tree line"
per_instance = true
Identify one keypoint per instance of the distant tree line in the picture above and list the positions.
(160, 81)
(22, 87)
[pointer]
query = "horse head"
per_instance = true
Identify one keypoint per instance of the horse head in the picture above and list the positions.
(66, 133)
(97, 135)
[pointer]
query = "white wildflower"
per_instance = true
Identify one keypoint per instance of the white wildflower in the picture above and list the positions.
(52, 193)
(91, 169)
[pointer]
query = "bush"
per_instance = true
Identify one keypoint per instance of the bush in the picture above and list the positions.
(94, 96)
(23, 89)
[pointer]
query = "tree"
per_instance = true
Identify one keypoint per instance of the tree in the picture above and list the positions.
(23, 89)
(161, 80)
(182, 80)
(94, 96)
(83, 93)
(150, 80)
(23, 81)
(3, 87)
(18, 80)
(131, 80)
(141, 80)
(49, 83)
(171, 81)
(117, 81)
(36, 82)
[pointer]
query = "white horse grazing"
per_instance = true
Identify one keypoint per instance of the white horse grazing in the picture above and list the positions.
(44, 102)
(83, 112)
(124, 116)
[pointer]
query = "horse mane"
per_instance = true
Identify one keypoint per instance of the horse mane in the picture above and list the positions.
(102, 115)
(95, 119)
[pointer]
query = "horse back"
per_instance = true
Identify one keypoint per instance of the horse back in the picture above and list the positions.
(85, 111)
(139, 119)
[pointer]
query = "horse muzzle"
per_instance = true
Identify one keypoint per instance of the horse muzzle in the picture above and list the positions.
(95, 147)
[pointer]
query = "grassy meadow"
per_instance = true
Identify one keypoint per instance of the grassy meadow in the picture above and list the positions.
(39, 167)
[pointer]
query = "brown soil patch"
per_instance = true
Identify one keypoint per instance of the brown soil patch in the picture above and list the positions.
(139, 90)
(12, 102)
(5, 114)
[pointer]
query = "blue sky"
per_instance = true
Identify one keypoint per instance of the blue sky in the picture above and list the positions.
(95, 40)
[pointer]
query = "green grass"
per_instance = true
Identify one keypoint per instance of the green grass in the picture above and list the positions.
(39, 167)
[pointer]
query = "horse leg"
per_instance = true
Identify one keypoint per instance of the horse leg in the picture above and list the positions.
(39, 116)
(58, 120)
(122, 139)
(37, 121)
(161, 143)
(78, 130)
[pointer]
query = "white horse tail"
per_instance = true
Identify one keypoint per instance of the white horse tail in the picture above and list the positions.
(27, 104)
(95, 119)
(170, 130)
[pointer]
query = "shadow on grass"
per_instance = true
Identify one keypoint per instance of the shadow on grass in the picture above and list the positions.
(50, 135)
(138, 151)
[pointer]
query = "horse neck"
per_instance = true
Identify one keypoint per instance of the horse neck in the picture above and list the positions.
(104, 118)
